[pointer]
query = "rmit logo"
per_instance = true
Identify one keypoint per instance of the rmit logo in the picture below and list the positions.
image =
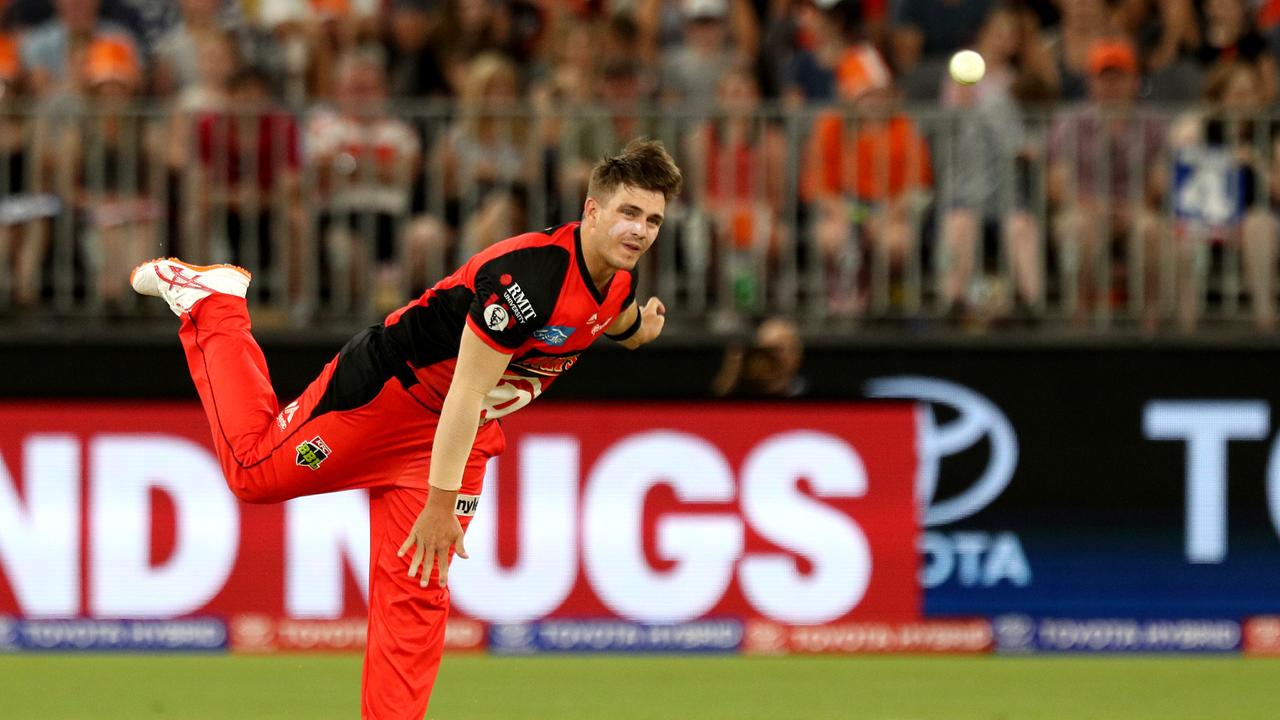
(516, 297)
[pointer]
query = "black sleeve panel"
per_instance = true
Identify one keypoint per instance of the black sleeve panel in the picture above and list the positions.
(517, 292)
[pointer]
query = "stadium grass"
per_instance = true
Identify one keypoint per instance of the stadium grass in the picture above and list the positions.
(67, 687)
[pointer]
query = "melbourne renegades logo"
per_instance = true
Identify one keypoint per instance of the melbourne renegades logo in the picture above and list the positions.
(312, 452)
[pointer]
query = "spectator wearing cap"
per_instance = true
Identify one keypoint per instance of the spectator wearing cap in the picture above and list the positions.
(665, 25)
(864, 186)
(692, 71)
(837, 61)
(1106, 177)
(313, 35)
(108, 152)
(51, 48)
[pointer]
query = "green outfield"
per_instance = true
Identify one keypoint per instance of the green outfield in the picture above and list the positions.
(55, 687)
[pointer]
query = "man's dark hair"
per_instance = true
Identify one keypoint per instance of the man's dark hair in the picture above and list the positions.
(643, 164)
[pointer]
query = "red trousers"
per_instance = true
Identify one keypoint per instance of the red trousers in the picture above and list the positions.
(272, 454)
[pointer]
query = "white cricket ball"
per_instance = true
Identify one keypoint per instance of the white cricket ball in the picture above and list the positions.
(967, 67)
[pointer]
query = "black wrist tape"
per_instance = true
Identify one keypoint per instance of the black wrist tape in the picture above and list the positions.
(635, 326)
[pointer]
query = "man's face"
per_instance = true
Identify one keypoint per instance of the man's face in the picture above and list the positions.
(622, 228)
(360, 90)
(1242, 93)
(621, 92)
(738, 94)
(1114, 86)
(705, 34)
(251, 95)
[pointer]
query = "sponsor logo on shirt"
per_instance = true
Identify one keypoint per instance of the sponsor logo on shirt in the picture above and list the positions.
(520, 304)
(553, 334)
(595, 329)
(496, 317)
(312, 452)
(546, 364)
(286, 416)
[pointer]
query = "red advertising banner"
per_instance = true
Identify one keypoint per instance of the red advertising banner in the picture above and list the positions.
(652, 513)
(1262, 635)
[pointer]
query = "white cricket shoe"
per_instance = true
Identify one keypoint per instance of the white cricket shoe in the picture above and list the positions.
(182, 285)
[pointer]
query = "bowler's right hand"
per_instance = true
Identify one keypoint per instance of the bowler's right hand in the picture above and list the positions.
(434, 532)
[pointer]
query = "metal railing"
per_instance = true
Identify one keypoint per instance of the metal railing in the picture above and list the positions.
(1147, 219)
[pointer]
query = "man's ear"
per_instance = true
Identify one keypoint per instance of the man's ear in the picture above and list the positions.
(590, 211)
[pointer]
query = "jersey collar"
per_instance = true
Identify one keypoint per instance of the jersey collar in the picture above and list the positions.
(582, 269)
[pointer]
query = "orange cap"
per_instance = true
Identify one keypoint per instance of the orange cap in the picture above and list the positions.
(10, 65)
(111, 58)
(331, 8)
(1112, 54)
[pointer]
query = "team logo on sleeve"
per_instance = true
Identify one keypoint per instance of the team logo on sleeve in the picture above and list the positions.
(496, 317)
(312, 452)
(553, 334)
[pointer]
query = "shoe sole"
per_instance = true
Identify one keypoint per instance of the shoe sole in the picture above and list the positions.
(196, 268)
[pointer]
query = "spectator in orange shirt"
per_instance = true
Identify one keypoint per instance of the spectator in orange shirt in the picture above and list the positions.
(866, 174)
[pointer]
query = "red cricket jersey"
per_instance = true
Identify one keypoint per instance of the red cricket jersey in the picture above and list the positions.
(529, 296)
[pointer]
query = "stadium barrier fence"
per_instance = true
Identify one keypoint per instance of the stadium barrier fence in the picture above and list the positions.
(838, 217)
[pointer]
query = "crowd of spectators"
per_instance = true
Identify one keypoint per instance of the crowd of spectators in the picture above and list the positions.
(401, 135)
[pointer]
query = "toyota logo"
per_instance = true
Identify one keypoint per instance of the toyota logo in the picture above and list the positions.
(977, 418)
